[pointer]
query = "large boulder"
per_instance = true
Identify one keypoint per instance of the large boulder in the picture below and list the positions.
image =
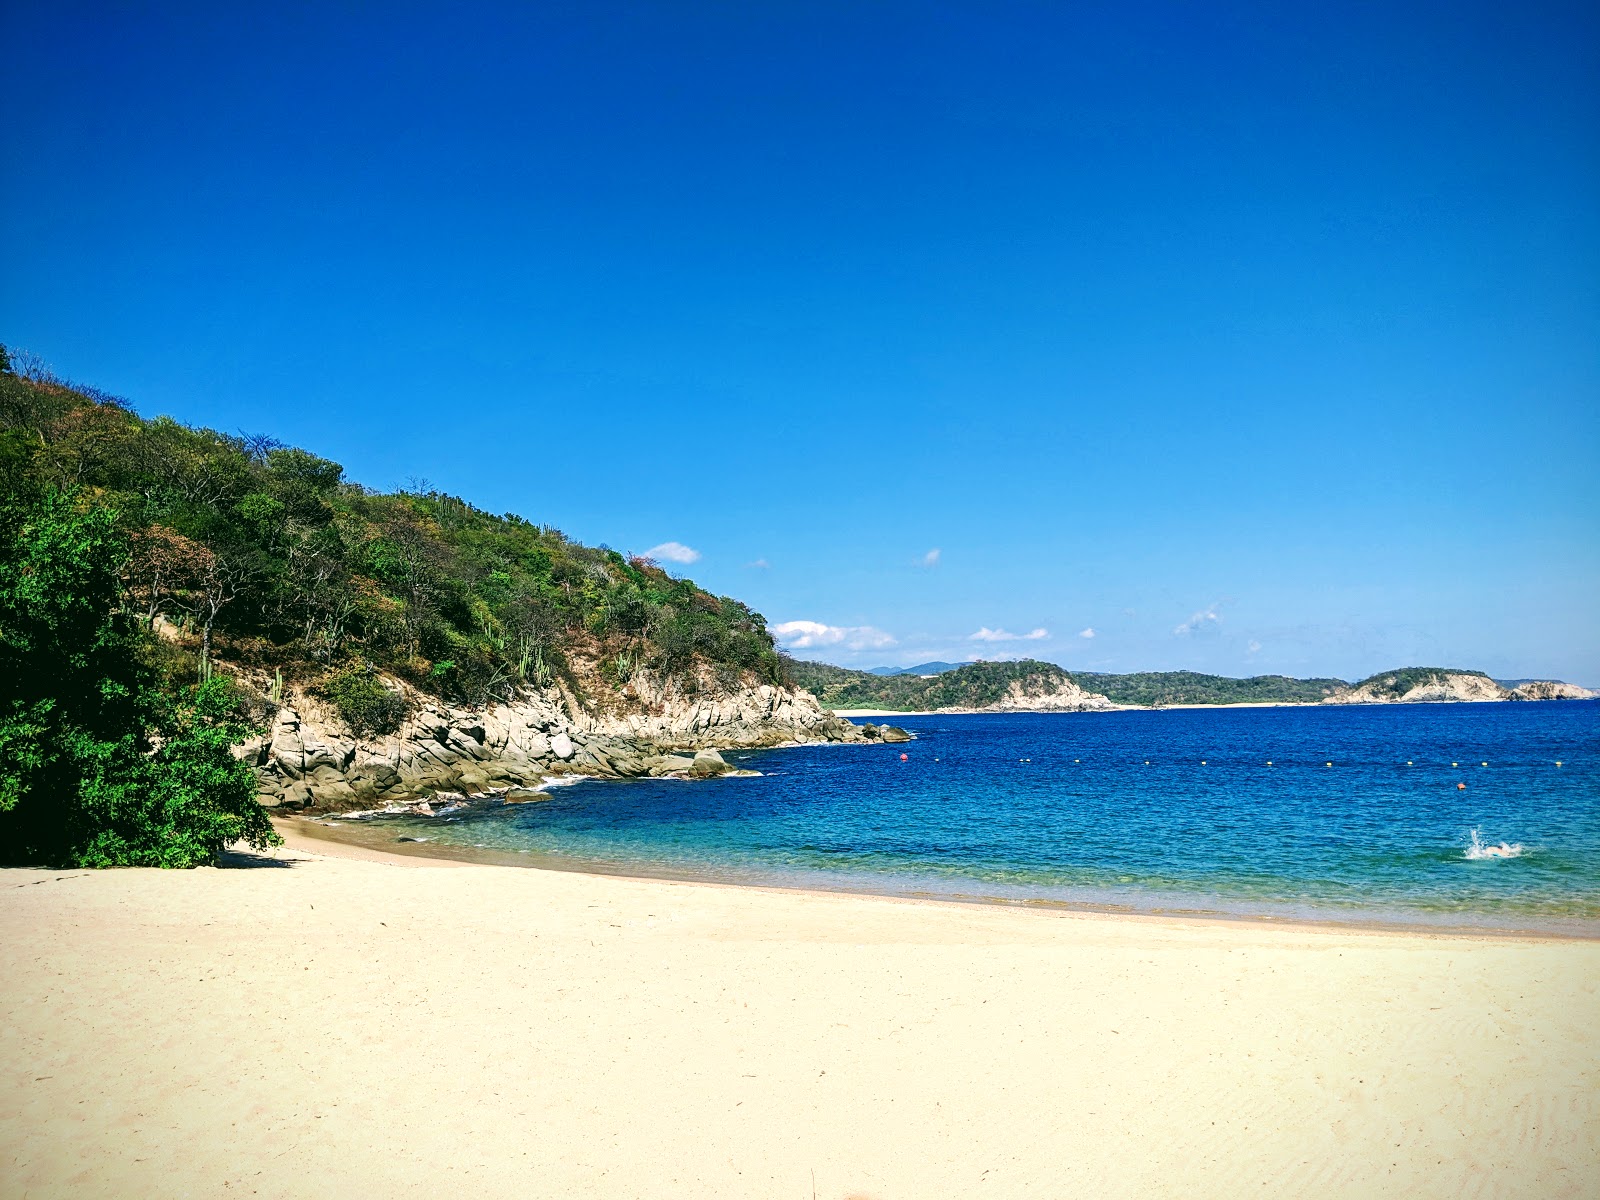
(707, 764)
(670, 764)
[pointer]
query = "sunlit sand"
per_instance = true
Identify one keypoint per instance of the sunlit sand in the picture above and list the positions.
(351, 1024)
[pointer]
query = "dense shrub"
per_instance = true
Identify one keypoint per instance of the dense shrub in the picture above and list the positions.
(364, 702)
(100, 764)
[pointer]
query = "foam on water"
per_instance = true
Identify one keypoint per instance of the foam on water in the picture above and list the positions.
(1477, 849)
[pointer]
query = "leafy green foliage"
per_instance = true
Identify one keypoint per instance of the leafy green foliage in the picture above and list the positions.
(367, 705)
(99, 764)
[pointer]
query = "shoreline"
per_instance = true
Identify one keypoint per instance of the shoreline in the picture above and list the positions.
(304, 834)
(319, 1024)
(1114, 707)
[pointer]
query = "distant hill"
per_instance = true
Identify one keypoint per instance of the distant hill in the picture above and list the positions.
(996, 685)
(1014, 685)
(1414, 685)
(1152, 689)
(927, 668)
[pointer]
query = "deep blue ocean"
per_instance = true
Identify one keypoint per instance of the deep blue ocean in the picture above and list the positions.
(1229, 811)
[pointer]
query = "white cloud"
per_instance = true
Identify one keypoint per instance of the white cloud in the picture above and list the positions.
(760, 564)
(808, 635)
(1254, 647)
(673, 552)
(1203, 619)
(1002, 635)
(1086, 633)
(931, 558)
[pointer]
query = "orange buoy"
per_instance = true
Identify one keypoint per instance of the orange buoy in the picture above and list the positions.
(904, 757)
(1461, 787)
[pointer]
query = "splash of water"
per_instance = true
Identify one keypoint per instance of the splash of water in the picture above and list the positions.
(1478, 849)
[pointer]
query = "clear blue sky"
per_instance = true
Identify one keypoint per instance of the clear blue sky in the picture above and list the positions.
(1249, 338)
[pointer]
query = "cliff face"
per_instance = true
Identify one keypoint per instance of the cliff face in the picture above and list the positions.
(309, 759)
(1436, 687)
(1548, 689)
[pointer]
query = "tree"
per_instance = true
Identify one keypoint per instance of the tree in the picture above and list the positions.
(99, 766)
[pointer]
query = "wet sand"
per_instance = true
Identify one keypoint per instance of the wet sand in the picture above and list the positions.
(337, 1021)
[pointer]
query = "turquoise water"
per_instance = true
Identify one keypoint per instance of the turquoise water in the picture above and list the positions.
(1171, 810)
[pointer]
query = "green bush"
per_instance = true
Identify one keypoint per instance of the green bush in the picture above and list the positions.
(100, 765)
(366, 703)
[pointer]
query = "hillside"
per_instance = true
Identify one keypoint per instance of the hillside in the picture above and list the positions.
(389, 644)
(987, 684)
(1419, 685)
(261, 554)
(1153, 688)
(995, 686)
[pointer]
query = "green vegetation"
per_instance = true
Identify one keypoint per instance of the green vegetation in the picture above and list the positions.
(976, 685)
(263, 554)
(1155, 688)
(366, 703)
(137, 557)
(102, 762)
(1398, 683)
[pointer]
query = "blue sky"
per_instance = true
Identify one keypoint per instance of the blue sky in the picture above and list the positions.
(1249, 338)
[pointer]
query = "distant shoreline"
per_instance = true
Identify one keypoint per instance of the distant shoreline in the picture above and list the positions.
(1070, 712)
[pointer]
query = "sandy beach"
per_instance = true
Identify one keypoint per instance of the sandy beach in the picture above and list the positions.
(343, 1023)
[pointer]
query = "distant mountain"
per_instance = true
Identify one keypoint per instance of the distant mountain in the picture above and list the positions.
(927, 668)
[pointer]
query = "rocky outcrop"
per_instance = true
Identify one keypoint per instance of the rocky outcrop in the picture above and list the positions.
(308, 759)
(1551, 689)
(1415, 685)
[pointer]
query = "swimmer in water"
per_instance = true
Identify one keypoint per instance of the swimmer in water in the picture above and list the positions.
(1504, 850)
